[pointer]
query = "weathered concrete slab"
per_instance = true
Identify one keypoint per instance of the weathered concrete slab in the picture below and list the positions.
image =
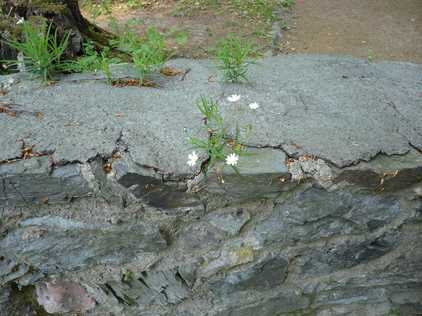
(340, 109)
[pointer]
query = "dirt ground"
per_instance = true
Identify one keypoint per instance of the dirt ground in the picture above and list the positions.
(376, 29)
(202, 28)
(386, 29)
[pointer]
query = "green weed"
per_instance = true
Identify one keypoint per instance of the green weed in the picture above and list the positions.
(41, 49)
(371, 56)
(133, 4)
(88, 62)
(105, 62)
(188, 7)
(150, 55)
(180, 37)
(127, 41)
(253, 9)
(92, 61)
(219, 144)
(127, 275)
(234, 57)
(97, 8)
(256, 9)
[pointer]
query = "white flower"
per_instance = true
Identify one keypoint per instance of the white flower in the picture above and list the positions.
(233, 98)
(193, 158)
(20, 21)
(232, 159)
(254, 105)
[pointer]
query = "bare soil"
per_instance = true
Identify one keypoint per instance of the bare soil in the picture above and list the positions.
(203, 28)
(387, 29)
(378, 29)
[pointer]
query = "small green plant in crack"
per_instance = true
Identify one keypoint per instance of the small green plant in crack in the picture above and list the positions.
(92, 61)
(148, 52)
(150, 55)
(105, 63)
(42, 50)
(234, 57)
(371, 56)
(127, 275)
(219, 146)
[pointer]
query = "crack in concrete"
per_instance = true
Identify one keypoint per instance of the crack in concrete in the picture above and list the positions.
(278, 147)
(4, 190)
(393, 106)
(11, 110)
(27, 153)
(418, 149)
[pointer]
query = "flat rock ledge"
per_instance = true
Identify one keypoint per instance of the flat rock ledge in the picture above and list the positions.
(100, 214)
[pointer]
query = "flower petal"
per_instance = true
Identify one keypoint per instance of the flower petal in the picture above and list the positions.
(233, 98)
(254, 105)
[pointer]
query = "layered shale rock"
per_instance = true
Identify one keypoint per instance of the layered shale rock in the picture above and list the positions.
(101, 215)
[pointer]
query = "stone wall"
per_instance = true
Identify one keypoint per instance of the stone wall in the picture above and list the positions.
(102, 215)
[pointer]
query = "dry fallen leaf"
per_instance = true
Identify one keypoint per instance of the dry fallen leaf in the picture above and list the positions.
(170, 72)
(148, 83)
(289, 162)
(27, 152)
(391, 174)
(107, 167)
(133, 83)
(7, 110)
(116, 155)
(307, 157)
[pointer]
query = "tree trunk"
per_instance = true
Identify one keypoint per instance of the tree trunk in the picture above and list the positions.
(66, 17)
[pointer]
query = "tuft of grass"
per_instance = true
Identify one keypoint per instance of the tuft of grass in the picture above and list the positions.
(234, 57)
(188, 7)
(127, 41)
(92, 61)
(215, 144)
(97, 8)
(180, 37)
(134, 4)
(88, 62)
(371, 56)
(150, 55)
(105, 62)
(42, 50)
(262, 10)
(219, 143)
